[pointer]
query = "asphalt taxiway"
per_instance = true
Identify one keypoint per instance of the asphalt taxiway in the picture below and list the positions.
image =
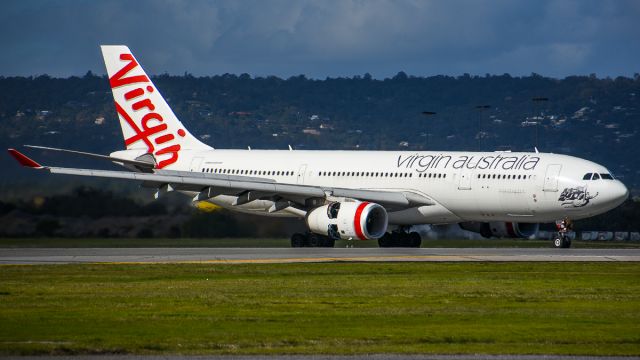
(301, 255)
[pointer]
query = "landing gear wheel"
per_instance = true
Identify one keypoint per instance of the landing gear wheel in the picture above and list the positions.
(414, 240)
(298, 240)
(561, 242)
(385, 241)
(329, 242)
(314, 240)
(311, 240)
(400, 239)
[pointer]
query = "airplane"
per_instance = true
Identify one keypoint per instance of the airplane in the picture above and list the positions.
(350, 195)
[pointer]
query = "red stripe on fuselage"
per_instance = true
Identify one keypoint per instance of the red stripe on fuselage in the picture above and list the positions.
(357, 223)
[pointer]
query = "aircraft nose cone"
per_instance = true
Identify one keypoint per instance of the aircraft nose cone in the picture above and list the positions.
(624, 193)
(617, 194)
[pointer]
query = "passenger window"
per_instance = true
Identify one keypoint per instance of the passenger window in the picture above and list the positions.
(595, 177)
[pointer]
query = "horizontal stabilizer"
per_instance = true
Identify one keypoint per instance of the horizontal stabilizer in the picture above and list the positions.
(140, 164)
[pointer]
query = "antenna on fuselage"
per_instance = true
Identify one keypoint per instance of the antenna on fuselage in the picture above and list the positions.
(290, 148)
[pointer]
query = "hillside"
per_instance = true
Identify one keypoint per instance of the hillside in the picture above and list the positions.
(598, 119)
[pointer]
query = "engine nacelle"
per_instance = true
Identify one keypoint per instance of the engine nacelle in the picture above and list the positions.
(349, 220)
(502, 229)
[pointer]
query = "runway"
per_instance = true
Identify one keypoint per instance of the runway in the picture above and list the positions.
(304, 255)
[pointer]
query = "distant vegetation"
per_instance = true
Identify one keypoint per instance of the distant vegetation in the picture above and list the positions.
(598, 119)
(89, 212)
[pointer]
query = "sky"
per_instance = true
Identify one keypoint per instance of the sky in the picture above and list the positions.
(327, 38)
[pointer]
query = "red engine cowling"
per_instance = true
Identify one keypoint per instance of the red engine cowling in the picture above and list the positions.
(502, 229)
(349, 220)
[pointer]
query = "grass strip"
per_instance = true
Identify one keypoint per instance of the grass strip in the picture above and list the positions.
(336, 308)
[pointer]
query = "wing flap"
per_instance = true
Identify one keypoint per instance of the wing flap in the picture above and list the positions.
(236, 184)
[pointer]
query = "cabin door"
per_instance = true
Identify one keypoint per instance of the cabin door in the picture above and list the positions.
(195, 163)
(551, 177)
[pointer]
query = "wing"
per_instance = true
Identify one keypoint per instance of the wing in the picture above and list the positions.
(245, 188)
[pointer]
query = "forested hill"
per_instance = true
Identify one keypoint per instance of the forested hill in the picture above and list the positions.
(598, 119)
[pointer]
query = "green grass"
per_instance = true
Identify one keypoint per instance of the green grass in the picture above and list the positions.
(268, 242)
(336, 308)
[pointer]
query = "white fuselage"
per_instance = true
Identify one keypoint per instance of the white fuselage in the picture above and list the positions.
(453, 186)
(465, 186)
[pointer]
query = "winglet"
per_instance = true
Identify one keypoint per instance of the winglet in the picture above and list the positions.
(24, 160)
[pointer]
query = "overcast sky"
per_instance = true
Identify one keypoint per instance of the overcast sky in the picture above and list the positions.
(325, 38)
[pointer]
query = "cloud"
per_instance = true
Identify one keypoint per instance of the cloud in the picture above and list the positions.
(326, 38)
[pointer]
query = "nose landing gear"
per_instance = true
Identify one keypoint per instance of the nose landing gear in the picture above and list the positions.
(562, 240)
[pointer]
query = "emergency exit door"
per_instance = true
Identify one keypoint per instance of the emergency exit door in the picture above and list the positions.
(301, 172)
(465, 180)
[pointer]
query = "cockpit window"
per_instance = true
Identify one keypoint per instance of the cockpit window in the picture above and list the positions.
(587, 176)
(606, 176)
(596, 177)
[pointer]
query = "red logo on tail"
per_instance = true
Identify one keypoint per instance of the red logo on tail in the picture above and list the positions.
(152, 130)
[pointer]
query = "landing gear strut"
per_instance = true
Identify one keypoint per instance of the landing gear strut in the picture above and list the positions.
(400, 239)
(561, 240)
(311, 240)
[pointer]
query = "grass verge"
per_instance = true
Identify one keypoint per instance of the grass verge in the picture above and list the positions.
(337, 308)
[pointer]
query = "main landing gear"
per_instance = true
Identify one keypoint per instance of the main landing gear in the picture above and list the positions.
(400, 239)
(311, 240)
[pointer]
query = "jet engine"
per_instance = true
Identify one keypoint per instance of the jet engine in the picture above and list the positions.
(502, 229)
(348, 220)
